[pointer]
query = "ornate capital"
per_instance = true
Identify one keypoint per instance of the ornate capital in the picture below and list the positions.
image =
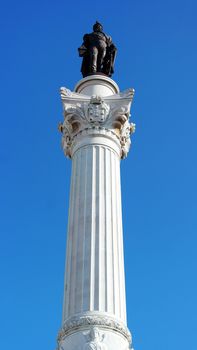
(110, 113)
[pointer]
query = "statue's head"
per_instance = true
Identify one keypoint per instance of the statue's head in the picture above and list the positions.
(97, 27)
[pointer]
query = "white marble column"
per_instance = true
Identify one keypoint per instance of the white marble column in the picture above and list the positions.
(96, 135)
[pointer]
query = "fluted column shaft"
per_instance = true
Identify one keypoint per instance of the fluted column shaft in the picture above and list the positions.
(94, 268)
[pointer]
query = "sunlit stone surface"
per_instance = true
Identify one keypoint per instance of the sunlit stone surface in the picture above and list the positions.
(96, 136)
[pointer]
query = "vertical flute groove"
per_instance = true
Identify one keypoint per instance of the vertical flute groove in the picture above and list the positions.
(73, 296)
(69, 241)
(92, 251)
(88, 230)
(71, 245)
(112, 229)
(97, 229)
(118, 242)
(69, 248)
(115, 245)
(121, 262)
(122, 289)
(106, 307)
(101, 232)
(109, 252)
(81, 223)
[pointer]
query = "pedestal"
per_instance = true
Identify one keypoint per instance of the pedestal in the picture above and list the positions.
(96, 135)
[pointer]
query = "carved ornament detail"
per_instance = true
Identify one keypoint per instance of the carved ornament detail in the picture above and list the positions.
(76, 323)
(82, 112)
(94, 340)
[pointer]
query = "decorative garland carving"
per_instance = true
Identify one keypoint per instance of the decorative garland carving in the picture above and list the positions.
(83, 112)
(77, 323)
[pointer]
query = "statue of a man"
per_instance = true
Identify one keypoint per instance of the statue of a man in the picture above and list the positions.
(98, 52)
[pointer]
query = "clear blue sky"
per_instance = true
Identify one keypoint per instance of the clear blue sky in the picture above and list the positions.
(157, 55)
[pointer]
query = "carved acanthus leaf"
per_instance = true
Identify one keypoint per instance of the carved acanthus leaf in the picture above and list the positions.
(66, 94)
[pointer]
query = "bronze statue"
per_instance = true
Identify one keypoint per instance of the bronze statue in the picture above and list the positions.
(98, 53)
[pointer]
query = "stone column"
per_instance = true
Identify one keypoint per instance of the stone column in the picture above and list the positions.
(96, 135)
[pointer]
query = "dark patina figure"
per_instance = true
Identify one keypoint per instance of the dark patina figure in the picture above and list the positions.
(98, 53)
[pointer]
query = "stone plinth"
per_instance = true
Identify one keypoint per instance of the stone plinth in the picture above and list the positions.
(96, 135)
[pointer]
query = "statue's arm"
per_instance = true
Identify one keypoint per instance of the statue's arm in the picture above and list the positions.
(109, 40)
(86, 40)
(83, 48)
(110, 43)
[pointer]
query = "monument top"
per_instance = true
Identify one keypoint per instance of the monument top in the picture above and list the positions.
(98, 52)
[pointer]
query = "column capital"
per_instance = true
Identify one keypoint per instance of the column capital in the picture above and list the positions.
(96, 115)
